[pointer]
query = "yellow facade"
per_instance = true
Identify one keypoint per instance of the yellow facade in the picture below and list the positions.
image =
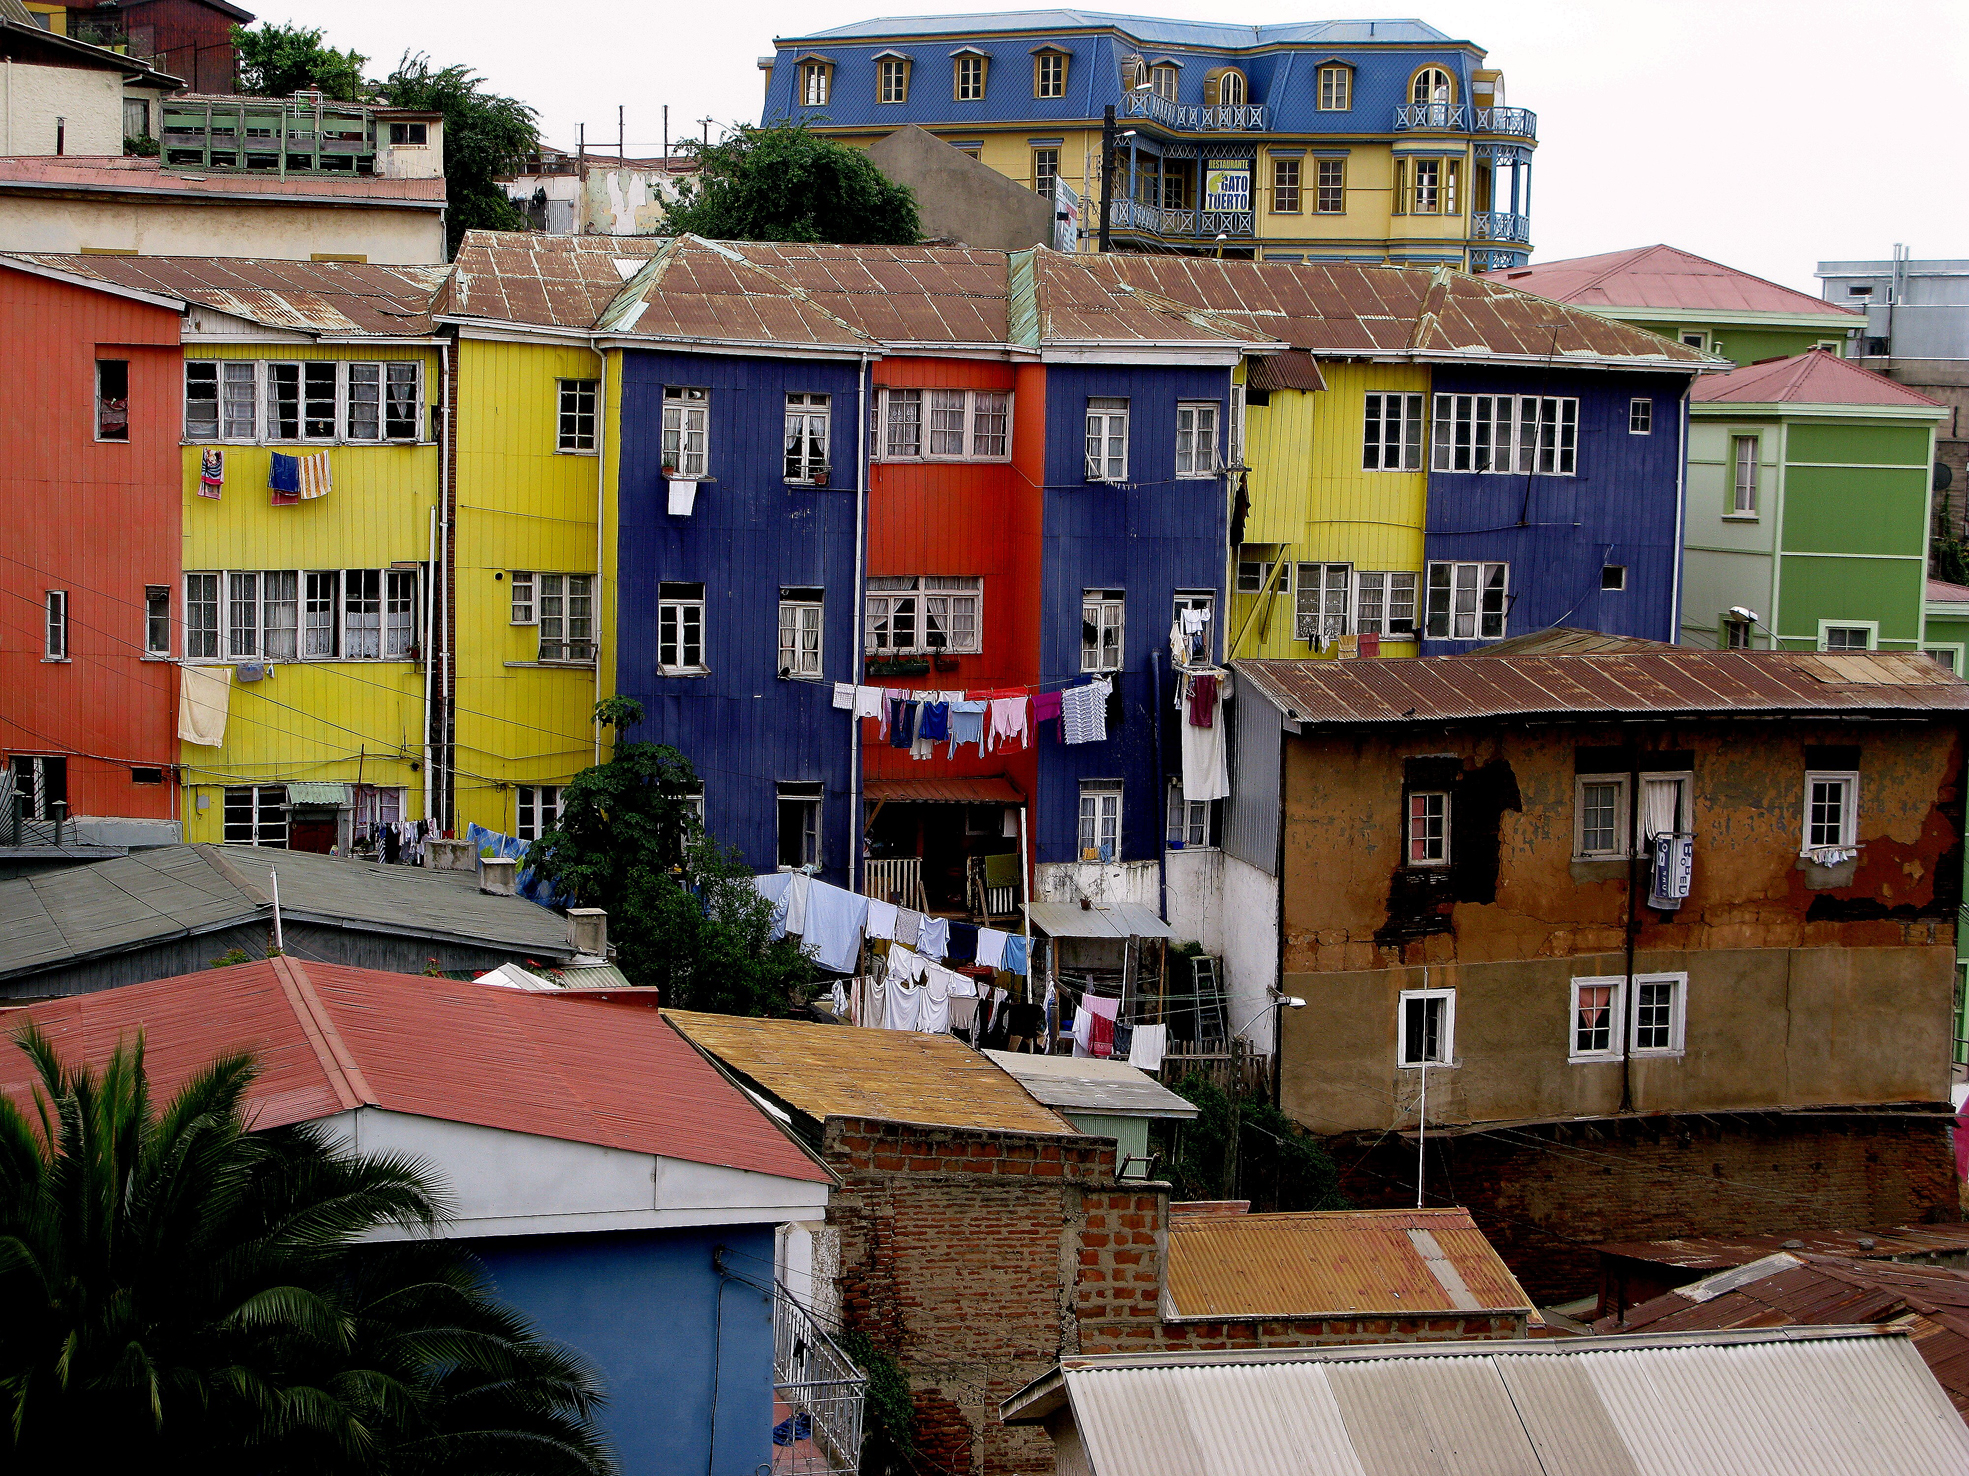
(1311, 502)
(334, 720)
(525, 505)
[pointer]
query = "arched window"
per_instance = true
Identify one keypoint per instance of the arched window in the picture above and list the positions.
(1230, 89)
(1431, 85)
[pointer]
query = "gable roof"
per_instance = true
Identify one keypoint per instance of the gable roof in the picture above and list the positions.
(1336, 1263)
(1813, 378)
(331, 1038)
(828, 1071)
(1662, 277)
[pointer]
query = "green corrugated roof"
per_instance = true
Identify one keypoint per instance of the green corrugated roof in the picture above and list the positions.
(317, 794)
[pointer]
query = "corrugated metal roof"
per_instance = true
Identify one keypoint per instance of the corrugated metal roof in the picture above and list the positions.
(1567, 640)
(1336, 1263)
(61, 917)
(1814, 378)
(1295, 369)
(1449, 688)
(1076, 301)
(1942, 592)
(1662, 277)
(1148, 28)
(1088, 1084)
(990, 790)
(336, 298)
(1775, 1402)
(119, 175)
(1715, 1253)
(331, 1038)
(889, 1075)
(897, 294)
(1112, 920)
(317, 794)
(547, 281)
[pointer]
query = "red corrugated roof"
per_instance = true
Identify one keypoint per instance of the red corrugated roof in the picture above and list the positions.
(334, 297)
(993, 790)
(145, 176)
(1814, 378)
(331, 1038)
(1660, 277)
(1942, 592)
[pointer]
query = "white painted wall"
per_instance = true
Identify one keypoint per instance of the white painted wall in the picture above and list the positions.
(1139, 882)
(616, 202)
(1196, 897)
(1250, 949)
(32, 97)
(176, 227)
(410, 161)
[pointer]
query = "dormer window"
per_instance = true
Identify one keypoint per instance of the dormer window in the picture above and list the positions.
(1336, 89)
(816, 81)
(892, 78)
(1432, 87)
(1166, 78)
(967, 79)
(1225, 88)
(1049, 74)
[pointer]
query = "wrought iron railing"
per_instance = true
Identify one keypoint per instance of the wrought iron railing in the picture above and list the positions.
(1516, 122)
(1192, 118)
(1201, 224)
(1453, 116)
(818, 1395)
(1499, 225)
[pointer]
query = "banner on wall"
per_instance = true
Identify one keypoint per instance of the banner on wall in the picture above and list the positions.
(1227, 187)
(1066, 217)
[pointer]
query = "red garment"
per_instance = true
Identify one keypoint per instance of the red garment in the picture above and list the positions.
(1045, 705)
(1203, 701)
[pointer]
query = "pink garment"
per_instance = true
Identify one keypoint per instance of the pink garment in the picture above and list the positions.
(1008, 724)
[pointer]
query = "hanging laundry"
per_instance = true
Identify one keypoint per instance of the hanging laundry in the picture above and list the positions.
(316, 479)
(933, 940)
(1146, 1049)
(991, 948)
(796, 902)
(905, 1005)
(1045, 706)
(840, 1001)
(1100, 1025)
(1084, 710)
(1052, 1014)
(881, 919)
(773, 888)
(1025, 1024)
(211, 472)
(1123, 1036)
(1015, 953)
(963, 944)
(909, 926)
(933, 1014)
(1203, 700)
(834, 926)
(964, 1017)
(844, 696)
(284, 480)
(1206, 771)
(936, 721)
(1008, 723)
(966, 724)
(921, 746)
(874, 1004)
(902, 723)
(869, 703)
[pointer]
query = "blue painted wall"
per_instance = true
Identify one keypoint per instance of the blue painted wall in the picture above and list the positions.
(1150, 537)
(744, 728)
(1558, 532)
(650, 1310)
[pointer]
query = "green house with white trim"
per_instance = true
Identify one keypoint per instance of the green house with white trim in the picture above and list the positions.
(1808, 509)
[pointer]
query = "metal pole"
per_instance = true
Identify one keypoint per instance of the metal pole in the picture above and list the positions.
(621, 136)
(666, 138)
(279, 940)
(430, 656)
(1107, 171)
(1422, 1137)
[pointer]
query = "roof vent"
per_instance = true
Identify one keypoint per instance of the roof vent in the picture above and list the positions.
(1794, 1245)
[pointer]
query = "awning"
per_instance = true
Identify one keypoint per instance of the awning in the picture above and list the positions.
(318, 794)
(1116, 920)
(1295, 369)
(994, 789)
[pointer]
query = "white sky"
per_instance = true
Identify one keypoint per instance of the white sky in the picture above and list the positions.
(1766, 135)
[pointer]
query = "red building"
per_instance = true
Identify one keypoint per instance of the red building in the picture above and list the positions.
(89, 474)
(191, 39)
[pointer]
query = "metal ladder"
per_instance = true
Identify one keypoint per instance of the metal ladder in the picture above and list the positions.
(1207, 991)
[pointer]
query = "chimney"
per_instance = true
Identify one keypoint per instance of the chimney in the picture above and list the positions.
(587, 930)
(452, 855)
(496, 875)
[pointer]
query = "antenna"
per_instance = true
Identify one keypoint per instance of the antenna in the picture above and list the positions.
(279, 942)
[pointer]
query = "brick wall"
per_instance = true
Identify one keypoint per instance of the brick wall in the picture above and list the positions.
(1546, 1195)
(1244, 1336)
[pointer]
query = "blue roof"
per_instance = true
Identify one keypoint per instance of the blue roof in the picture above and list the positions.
(1151, 30)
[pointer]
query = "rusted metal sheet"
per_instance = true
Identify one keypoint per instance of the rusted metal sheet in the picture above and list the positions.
(990, 790)
(1567, 640)
(1295, 369)
(144, 176)
(1663, 277)
(1718, 1253)
(1450, 688)
(547, 281)
(1337, 1263)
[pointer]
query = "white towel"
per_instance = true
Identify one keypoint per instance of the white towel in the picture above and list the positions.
(991, 948)
(844, 695)
(1145, 1049)
(204, 694)
(881, 919)
(934, 938)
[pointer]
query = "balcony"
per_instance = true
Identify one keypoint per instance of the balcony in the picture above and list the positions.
(818, 1395)
(1499, 225)
(1512, 122)
(1458, 118)
(1184, 118)
(1199, 225)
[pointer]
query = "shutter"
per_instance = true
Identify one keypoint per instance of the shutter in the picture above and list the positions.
(1400, 206)
(1212, 85)
(1453, 183)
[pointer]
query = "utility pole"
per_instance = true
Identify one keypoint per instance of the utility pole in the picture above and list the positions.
(707, 122)
(621, 137)
(666, 138)
(1107, 171)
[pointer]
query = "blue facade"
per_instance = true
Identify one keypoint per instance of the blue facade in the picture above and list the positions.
(1152, 536)
(1620, 509)
(650, 1310)
(744, 727)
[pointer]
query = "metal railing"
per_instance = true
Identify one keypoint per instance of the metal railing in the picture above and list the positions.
(1201, 224)
(899, 880)
(1516, 122)
(1453, 116)
(1192, 118)
(818, 1395)
(1499, 225)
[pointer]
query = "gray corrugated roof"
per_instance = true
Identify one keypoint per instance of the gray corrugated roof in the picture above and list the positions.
(1772, 1402)
(1111, 920)
(1087, 1084)
(61, 917)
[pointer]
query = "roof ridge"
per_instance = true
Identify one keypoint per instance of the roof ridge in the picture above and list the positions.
(791, 288)
(215, 857)
(337, 1063)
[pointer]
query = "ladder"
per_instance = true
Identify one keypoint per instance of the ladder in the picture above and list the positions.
(1207, 997)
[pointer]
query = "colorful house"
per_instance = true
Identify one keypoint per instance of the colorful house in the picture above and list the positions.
(1709, 307)
(1381, 140)
(1810, 510)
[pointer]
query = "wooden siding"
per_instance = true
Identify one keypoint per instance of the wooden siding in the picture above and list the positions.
(99, 520)
(1309, 493)
(335, 721)
(523, 504)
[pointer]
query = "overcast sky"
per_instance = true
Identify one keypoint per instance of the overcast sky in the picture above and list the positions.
(1767, 135)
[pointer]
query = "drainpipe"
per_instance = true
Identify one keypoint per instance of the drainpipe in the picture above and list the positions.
(1162, 779)
(1633, 925)
(601, 505)
(430, 663)
(1674, 636)
(856, 836)
(443, 630)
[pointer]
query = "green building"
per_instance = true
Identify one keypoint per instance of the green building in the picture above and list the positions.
(1808, 512)
(1701, 303)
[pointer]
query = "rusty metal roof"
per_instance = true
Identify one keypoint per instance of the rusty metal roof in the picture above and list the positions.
(1570, 640)
(111, 174)
(1336, 1263)
(1717, 1253)
(993, 789)
(1295, 369)
(1813, 378)
(1662, 277)
(889, 1075)
(897, 294)
(330, 298)
(702, 291)
(1076, 301)
(1431, 689)
(547, 281)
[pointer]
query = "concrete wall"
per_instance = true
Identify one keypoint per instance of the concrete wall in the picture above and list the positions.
(961, 199)
(1196, 896)
(31, 98)
(1251, 950)
(389, 237)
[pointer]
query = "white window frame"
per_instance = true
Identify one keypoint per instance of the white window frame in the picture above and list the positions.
(1482, 587)
(1049, 73)
(1106, 610)
(199, 604)
(1695, 338)
(1506, 435)
(1383, 582)
(808, 440)
(54, 626)
(1045, 171)
(674, 611)
(1332, 612)
(261, 798)
(231, 392)
(904, 424)
(1744, 488)
(244, 404)
(686, 431)
(1621, 821)
(1426, 187)
(1640, 416)
(577, 412)
(565, 588)
(1871, 627)
(816, 80)
(1187, 821)
(1445, 1031)
(892, 79)
(1336, 89)
(1409, 835)
(1678, 1016)
(1619, 575)
(1952, 651)
(397, 628)
(1616, 985)
(1253, 575)
(541, 802)
(1399, 412)
(798, 659)
(1195, 420)
(525, 607)
(1104, 818)
(811, 799)
(1107, 421)
(1849, 811)
(386, 372)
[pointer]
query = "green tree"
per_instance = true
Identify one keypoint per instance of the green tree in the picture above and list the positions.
(484, 133)
(182, 1294)
(1242, 1147)
(279, 61)
(683, 913)
(787, 183)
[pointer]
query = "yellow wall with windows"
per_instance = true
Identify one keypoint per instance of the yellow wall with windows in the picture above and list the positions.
(338, 721)
(525, 505)
(1310, 496)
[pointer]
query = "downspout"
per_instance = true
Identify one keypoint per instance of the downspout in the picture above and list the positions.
(1162, 779)
(1278, 947)
(1633, 924)
(443, 628)
(601, 505)
(1674, 636)
(856, 837)
(430, 665)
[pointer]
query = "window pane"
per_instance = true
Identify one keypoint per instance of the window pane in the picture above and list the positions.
(280, 614)
(1593, 1019)
(946, 422)
(905, 430)
(319, 633)
(1598, 805)
(1654, 1016)
(318, 396)
(242, 615)
(240, 404)
(201, 401)
(362, 613)
(400, 614)
(400, 402)
(991, 415)
(365, 419)
(284, 402)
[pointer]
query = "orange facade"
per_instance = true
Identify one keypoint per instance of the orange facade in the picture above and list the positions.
(92, 528)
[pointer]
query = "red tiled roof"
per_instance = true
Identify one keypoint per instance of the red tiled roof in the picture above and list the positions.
(1660, 277)
(1814, 378)
(331, 1038)
(132, 176)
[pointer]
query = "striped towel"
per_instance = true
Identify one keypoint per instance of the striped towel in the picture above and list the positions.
(316, 479)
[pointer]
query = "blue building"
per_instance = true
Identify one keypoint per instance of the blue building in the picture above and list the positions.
(1359, 140)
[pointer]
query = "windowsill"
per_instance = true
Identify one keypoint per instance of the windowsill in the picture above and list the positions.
(575, 451)
(808, 484)
(941, 460)
(56, 660)
(400, 441)
(1749, 517)
(1674, 1055)
(1427, 1065)
(811, 678)
(671, 474)
(1608, 1058)
(154, 656)
(1170, 850)
(280, 661)
(683, 671)
(555, 665)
